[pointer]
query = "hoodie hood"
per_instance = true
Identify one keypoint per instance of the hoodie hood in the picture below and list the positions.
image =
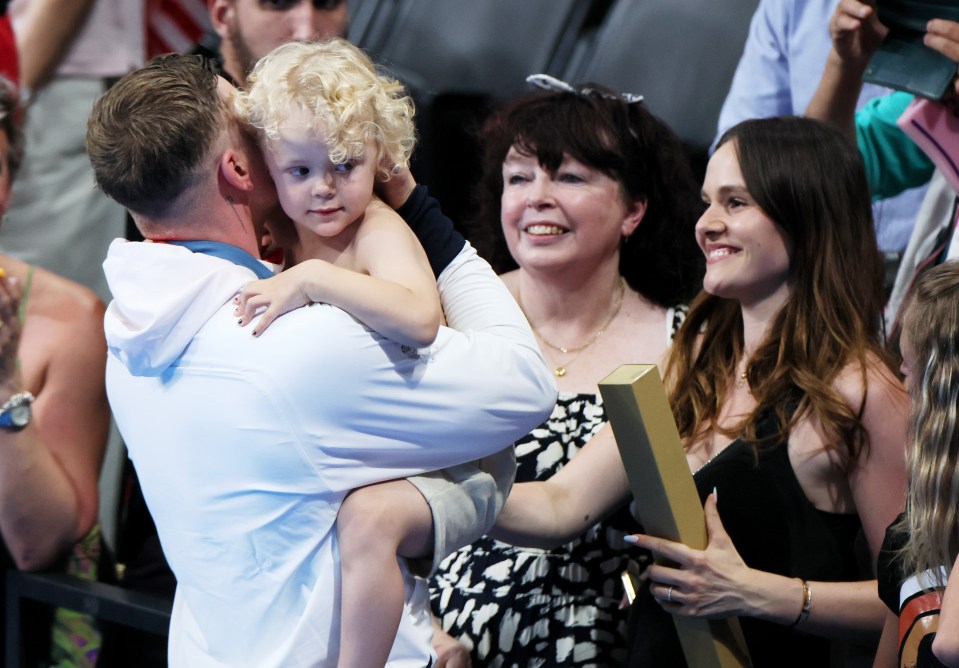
(162, 295)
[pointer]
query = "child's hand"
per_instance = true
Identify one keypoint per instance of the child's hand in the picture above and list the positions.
(278, 295)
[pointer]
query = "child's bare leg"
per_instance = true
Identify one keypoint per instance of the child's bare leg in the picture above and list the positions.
(374, 525)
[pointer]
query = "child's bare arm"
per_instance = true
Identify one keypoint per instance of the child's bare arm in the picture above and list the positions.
(397, 297)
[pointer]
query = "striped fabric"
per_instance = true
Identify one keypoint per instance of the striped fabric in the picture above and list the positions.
(175, 25)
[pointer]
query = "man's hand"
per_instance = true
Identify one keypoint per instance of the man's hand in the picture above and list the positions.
(943, 36)
(856, 35)
(856, 32)
(397, 189)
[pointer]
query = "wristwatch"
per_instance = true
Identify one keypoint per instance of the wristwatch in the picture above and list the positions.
(15, 414)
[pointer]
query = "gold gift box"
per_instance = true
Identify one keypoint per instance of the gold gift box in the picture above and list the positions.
(667, 503)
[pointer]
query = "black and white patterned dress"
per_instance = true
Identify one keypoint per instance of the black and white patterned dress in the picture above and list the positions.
(530, 608)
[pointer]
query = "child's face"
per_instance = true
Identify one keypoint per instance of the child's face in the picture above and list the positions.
(316, 193)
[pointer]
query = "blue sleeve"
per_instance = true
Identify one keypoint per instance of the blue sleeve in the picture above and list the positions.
(761, 85)
(894, 162)
(435, 231)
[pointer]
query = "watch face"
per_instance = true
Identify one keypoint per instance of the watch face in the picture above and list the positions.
(20, 415)
(15, 413)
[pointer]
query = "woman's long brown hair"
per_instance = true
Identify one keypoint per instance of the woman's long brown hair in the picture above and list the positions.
(809, 179)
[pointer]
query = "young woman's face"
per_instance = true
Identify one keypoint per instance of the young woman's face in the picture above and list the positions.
(552, 220)
(747, 254)
(317, 194)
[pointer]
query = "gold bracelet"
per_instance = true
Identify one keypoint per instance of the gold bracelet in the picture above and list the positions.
(806, 603)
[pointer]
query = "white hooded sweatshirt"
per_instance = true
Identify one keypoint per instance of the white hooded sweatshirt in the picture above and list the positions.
(246, 447)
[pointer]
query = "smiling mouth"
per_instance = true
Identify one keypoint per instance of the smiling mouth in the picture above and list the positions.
(719, 253)
(544, 230)
(324, 212)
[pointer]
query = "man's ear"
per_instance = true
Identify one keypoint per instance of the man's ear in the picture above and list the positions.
(221, 16)
(235, 170)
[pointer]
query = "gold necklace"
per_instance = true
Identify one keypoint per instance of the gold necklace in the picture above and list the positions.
(742, 377)
(560, 370)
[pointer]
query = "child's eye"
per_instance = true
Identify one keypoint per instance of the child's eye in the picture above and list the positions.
(345, 166)
(298, 171)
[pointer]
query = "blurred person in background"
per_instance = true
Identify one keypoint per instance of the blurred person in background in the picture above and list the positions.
(54, 419)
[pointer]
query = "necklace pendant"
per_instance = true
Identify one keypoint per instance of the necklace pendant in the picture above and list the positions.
(560, 371)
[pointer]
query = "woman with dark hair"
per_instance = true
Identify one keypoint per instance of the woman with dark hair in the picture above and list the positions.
(596, 204)
(625, 142)
(792, 419)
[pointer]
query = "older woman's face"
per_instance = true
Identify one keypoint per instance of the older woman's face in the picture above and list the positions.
(575, 215)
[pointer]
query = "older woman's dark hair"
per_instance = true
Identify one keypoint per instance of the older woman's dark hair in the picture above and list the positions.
(10, 125)
(624, 141)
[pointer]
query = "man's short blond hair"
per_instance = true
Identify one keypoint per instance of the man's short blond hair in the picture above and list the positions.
(149, 134)
(351, 105)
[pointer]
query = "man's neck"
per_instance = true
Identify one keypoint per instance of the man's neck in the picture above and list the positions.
(234, 76)
(227, 252)
(231, 70)
(227, 224)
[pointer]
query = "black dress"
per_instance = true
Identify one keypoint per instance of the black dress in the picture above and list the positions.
(776, 529)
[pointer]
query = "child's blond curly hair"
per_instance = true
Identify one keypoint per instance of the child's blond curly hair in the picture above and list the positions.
(352, 105)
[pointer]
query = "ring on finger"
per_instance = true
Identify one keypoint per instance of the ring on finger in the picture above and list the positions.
(669, 595)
